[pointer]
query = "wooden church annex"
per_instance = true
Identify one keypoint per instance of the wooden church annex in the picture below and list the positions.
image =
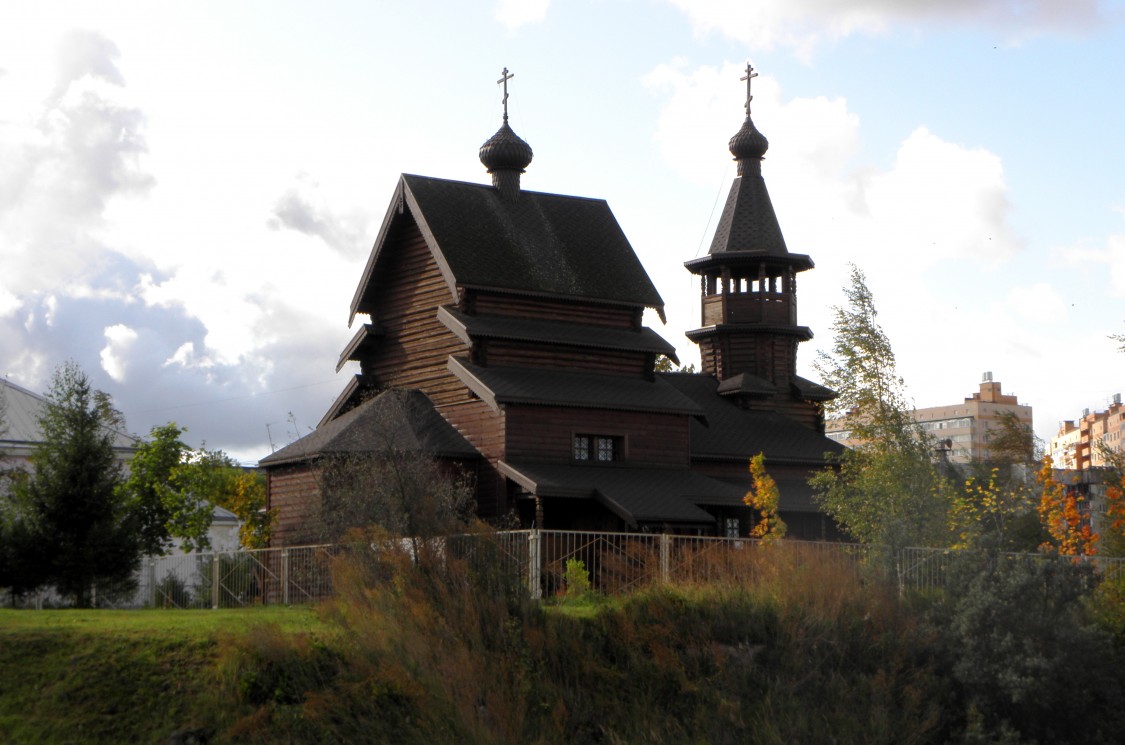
(512, 320)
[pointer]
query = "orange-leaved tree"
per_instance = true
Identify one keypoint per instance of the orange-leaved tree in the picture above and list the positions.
(764, 497)
(1069, 529)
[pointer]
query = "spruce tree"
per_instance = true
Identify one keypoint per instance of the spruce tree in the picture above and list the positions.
(76, 526)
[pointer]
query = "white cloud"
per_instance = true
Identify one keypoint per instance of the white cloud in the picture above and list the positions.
(803, 25)
(939, 201)
(60, 166)
(1037, 302)
(114, 356)
(301, 208)
(516, 13)
(1112, 257)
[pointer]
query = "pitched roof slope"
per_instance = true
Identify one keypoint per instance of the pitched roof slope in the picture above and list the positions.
(405, 420)
(21, 412)
(730, 432)
(636, 495)
(530, 242)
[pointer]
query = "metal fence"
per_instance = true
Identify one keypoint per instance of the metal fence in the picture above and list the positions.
(613, 563)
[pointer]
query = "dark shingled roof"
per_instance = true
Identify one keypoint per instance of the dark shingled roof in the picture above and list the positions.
(553, 332)
(811, 391)
(637, 495)
(748, 223)
(549, 387)
(733, 433)
(405, 420)
(795, 495)
(530, 242)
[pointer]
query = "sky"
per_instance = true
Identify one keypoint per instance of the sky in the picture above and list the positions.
(189, 191)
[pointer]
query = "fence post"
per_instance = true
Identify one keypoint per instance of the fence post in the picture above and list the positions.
(216, 578)
(534, 565)
(285, 577)
(152, 582)
(665, 551)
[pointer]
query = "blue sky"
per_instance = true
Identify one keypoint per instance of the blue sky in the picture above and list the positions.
(188, 192)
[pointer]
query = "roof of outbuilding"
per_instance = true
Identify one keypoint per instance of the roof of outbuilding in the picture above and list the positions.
(20, 425)
(729, 432)
(549, 387)
(530, 242)
(403, 419)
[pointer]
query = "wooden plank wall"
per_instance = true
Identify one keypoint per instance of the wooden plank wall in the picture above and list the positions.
(484, 428)
(293, 491)
(415, 346)
(528, 354)
(594, 314)
(546, 433)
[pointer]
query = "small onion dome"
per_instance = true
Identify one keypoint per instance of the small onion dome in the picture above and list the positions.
(505, 151)
(748, 143)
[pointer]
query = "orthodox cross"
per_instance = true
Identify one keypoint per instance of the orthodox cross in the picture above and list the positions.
(505, 77)
(748, 77)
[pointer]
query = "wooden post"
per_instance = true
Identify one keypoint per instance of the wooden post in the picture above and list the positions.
(285, 577)
(216, 578)
(534, 556)
(665, 551)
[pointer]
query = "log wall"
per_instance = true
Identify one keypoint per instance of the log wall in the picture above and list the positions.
(293, 491)
(546, 433)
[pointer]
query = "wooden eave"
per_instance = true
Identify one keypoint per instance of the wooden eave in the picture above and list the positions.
(800, 262)
(363, 340)
(804, 333)
(401, 201)
(468, 328)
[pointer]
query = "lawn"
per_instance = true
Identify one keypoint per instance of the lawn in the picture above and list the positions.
(88, 676)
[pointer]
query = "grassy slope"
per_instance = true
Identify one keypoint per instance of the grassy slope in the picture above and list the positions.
(115, 676)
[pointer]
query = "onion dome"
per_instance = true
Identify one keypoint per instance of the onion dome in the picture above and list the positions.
(748, 143)
(505, 151)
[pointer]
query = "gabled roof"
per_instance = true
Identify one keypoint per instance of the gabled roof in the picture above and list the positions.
(528, 243)
(636, 495)
(549, 387)
(734, 433)
(21, 412)
(405, 420)
(467, 327)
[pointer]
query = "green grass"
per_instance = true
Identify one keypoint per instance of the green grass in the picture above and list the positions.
(88, 676)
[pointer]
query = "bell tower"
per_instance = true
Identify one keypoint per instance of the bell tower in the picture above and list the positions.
(749, 333)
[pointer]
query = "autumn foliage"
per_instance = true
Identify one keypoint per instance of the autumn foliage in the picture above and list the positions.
(763, 497)
(1070, 531)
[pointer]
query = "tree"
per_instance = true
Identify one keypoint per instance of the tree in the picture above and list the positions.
(394, 485)
(887, 489)
(764, 497)
(997, 506)
(989, 513)
(1069, 529)
(172, 490)
(69, 514)
(404, 492)
(155, 492)
(215, 477)
(664, 363)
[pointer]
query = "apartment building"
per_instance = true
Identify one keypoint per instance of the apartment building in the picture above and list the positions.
(1090, 441)
(962, 430)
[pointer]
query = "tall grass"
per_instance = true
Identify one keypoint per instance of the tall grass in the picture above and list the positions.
(427, 649)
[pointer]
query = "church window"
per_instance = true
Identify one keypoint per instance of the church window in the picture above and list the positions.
(597, 448)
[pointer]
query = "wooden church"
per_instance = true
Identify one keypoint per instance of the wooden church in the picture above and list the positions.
(514, 320)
